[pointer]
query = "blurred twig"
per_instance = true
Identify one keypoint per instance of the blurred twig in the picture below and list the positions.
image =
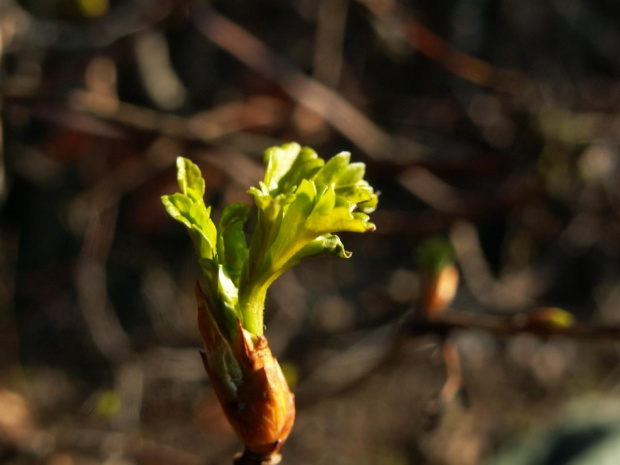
(583, 18)
(370, 359)
(128, 177)
(454, 374)
(459, 63)
(106, 331)
(160, 80)
(513, 324)
(115, 445)
(433, 46)
(207, 126)
(557, 122)
(103, 325)
(3, 178)
(374, 351)
(124, 20)
(312, 94)
(445, 198)
(331, 26)
(514, 292)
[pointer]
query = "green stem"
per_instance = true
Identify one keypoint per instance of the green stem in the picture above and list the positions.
(252, 304)
(252, 298)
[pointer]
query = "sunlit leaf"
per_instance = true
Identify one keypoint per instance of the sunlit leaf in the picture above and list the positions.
(302, 202)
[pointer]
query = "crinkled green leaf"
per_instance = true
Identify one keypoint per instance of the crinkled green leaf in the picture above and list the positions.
(302, 202)
(178, 207)
(305, 165)
(231, 244)
(339, 219)
(328, 244)
(190, 179)
(333, 170)
(195, 216)
(278, 161)
(188, 208)
(289, 235)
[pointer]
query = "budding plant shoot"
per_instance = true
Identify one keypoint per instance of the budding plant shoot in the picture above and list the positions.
(302, 202)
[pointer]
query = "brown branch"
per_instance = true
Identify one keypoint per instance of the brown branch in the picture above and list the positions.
(91, 112)
(329, 42)
(126, 19)
(447, 199)
(511, 325)
(434, 47)
(437, 49)
(506, 293)
(101, 322)
(416, 326)
(453, 387)
(328, 104)
(205, 127)
(454, 373)
(40, 443)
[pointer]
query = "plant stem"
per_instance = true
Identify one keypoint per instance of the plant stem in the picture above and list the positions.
(252, 305)
(247, 457)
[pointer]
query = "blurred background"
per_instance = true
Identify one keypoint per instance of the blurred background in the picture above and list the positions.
(491, 123)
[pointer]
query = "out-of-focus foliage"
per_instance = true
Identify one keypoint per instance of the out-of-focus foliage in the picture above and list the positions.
(93, 8)
(492, 124)
(588, 433)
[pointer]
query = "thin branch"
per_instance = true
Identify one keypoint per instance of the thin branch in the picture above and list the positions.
(330, 34)
(434, 47)
(3, 176)
(310, 391)
(206, 126)
(510, 293)
(584, 19)
(512, 325)
(102, 323)
(445, 198)
(328, 104)
(123, 20)
(454, 373)
(92, 441)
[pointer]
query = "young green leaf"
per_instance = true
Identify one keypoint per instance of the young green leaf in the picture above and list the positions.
(302, 202)
(232, 248)
(189, 209)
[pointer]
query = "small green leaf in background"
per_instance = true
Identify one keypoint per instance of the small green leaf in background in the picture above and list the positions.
(551, 317)
(108, 404)
(291, 373)
(439, 277)
(93, 8)
(188, 207)
(434, 254)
